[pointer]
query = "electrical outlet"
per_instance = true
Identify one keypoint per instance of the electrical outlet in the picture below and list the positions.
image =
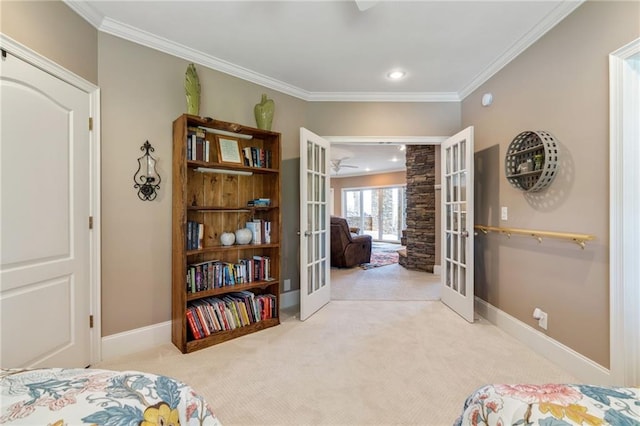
(542, 321)
(287, 285)
(541, 316)
(504, 213)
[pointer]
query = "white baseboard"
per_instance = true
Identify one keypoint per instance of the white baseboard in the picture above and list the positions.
(437, 270)
(289, 299)
(136, 340)
(580, 366)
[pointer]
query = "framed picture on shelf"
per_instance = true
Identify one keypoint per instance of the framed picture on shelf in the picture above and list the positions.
(228, 150)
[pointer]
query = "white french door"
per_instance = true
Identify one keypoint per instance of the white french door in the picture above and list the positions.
(315, 279)
(45, 284)
(457, 223)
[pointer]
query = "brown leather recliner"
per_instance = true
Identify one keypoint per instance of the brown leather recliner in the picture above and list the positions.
(348, 250)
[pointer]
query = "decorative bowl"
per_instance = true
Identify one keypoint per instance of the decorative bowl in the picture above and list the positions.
(243, 236)
(227, 238)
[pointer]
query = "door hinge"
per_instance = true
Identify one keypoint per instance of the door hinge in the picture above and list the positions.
(90, 321)
(90, 123)
(90, 222)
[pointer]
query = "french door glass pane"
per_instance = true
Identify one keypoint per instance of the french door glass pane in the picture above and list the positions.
(463, 186)
(323, 278)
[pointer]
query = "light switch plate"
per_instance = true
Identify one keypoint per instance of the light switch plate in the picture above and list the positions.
(504, 213)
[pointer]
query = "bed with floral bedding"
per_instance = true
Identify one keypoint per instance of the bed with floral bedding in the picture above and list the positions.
(551, 405)
(59, 396)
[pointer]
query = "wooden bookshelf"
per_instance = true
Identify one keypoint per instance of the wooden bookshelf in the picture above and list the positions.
(214, 194)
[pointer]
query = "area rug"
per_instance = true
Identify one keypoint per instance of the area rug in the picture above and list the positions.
(380, 259)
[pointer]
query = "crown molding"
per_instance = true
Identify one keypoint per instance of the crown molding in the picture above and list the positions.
(144, 38)
(130, 33)
(551, 20)
(152, 41)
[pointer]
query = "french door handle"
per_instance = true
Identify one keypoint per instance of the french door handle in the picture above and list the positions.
(307, 233)
(465, 233)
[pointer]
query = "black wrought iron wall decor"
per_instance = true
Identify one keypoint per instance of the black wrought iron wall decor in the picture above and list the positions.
(146, 179)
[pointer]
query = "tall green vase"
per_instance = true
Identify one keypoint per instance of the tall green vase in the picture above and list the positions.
(264, 112)
(192, 90)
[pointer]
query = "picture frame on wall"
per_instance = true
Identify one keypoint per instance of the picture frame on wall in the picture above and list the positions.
(228, 150)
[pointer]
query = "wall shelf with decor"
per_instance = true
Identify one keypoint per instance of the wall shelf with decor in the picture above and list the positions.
(226, 177)
(531, 161)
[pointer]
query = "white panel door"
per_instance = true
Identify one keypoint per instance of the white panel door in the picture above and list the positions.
(315, 279)
(457, 223)
(44, 211)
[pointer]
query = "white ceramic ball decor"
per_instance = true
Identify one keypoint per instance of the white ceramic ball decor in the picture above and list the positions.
(243, 236)
(227, 238)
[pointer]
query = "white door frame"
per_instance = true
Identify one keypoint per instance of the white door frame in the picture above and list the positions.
(624, 223)
(26, 54)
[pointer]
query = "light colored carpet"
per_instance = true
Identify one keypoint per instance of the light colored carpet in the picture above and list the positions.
(352, 363)
(391, 282)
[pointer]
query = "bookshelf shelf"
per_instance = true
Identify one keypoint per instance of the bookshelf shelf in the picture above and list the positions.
(223, 336)
(234, 247)
(212, 298)
(224, 290)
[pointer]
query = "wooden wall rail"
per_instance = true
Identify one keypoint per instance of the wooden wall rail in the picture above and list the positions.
(579, 239)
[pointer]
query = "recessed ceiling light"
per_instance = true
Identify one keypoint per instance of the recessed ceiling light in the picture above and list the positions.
(396, 75)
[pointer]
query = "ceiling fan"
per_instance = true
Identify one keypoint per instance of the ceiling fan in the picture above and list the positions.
(336, 164)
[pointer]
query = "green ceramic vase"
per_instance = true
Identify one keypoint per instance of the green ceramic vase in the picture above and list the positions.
(192, 90)
(264, 112)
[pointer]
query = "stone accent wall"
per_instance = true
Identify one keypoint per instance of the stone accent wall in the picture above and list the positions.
(421, 209)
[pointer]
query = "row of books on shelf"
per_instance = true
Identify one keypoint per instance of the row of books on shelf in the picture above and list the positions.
(257, 157)
(260, 231)
(198, 147)
(217, 274)
(195, 235)
(213, 314)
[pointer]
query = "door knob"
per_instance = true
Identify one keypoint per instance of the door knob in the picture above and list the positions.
(465, 233)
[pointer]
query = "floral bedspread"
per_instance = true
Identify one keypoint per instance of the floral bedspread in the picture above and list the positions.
(57, 397)
(551, 405)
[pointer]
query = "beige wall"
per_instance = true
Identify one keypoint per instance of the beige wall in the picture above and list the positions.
(55, 31)
(377, 180)
(560, 85)
(383, 118)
